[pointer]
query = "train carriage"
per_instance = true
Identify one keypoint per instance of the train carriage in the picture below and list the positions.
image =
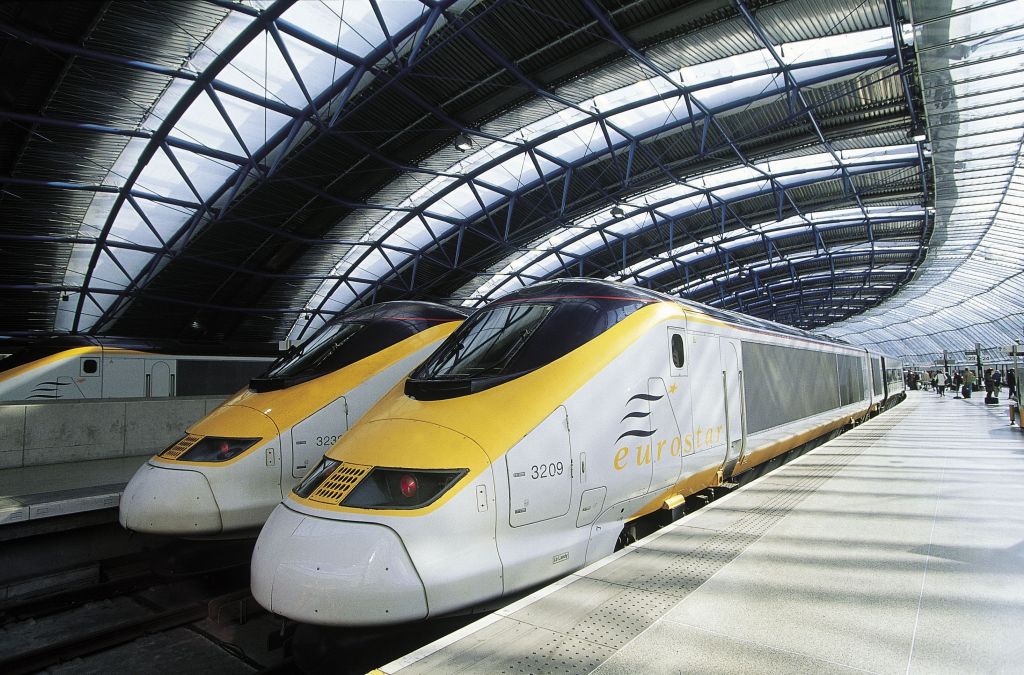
(80, 367)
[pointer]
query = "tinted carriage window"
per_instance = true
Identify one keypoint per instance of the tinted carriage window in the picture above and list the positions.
(507, 340)
(678, 355)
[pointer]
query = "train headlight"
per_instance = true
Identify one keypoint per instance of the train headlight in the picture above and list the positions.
(216, 449)
(402, 488)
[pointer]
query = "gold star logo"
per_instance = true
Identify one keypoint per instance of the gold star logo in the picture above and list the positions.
(672, 389)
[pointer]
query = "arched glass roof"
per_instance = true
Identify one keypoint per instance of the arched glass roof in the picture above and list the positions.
(249, 169)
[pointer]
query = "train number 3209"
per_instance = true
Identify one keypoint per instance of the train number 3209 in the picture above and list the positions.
(546, 470)
(326, 440)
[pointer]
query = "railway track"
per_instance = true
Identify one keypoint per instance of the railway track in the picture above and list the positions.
(141, 594)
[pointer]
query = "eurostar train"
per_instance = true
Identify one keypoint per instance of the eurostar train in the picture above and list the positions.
(231, 468)
(84, 367)
(547, 423)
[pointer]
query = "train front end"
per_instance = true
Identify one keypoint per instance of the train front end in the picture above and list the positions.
(232, 467)
(403, 518)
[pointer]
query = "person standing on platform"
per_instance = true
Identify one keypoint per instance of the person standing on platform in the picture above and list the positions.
(997, 383)
(968, 382)
(940, 383)
(1011, 381)
(958, 383)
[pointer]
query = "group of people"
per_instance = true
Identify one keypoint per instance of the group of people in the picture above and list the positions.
(963, 383)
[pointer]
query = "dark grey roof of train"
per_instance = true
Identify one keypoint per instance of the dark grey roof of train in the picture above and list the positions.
(247, 170)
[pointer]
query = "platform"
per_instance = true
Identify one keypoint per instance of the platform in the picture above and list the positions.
(45, 491)
(896, 548)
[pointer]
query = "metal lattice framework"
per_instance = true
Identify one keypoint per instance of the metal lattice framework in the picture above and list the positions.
(249, 169)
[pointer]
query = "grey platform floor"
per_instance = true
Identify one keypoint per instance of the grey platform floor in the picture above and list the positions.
(896, 548)
(33, 492)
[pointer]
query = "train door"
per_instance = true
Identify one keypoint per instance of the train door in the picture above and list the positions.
(733, 404)
(540, 497)
(706, 440)
(314, 436)
(669, 408)
(123, 377)
(159, 379)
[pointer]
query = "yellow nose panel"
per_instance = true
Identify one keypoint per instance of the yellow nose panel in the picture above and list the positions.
(334, 490)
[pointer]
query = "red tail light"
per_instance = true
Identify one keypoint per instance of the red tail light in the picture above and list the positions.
(385, 488)
(215, 449)
(408, 486)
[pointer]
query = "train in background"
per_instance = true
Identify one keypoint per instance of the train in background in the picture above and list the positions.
(547, 425)
(79, 367)
(232, 467)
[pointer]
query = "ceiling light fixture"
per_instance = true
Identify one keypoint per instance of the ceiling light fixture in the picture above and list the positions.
(617, 212)
(918, 134)
(463, 142)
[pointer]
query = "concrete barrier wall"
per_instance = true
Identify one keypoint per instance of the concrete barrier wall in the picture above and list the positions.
(53, 432)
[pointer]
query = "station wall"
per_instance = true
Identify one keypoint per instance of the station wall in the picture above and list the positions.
(53, 432)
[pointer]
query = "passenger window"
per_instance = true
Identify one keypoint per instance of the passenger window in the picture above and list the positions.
(90, 366)
(678, 356)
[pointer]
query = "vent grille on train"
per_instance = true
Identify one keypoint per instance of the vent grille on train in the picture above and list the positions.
(336, 488)
(179, 448)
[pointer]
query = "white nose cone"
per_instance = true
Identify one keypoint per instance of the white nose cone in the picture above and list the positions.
(335, 573)
(169, 501)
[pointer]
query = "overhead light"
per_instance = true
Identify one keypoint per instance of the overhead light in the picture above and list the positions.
(918, 134)
(907, 33)
(308, 316)
(617, 212)
(959, 52)
(463, 142)
(64, 296)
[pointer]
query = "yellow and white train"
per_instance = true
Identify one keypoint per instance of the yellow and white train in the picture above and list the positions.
(230, 469)
(78, 367)
(546, 424)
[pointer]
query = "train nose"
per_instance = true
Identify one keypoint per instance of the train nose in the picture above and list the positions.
(169, 501)
(333, 572)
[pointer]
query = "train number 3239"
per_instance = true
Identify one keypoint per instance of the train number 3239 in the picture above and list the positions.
(326, 440)
(546, 470)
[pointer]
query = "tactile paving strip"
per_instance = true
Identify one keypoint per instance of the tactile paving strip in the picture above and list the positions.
(622, 618)
(559, 654)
